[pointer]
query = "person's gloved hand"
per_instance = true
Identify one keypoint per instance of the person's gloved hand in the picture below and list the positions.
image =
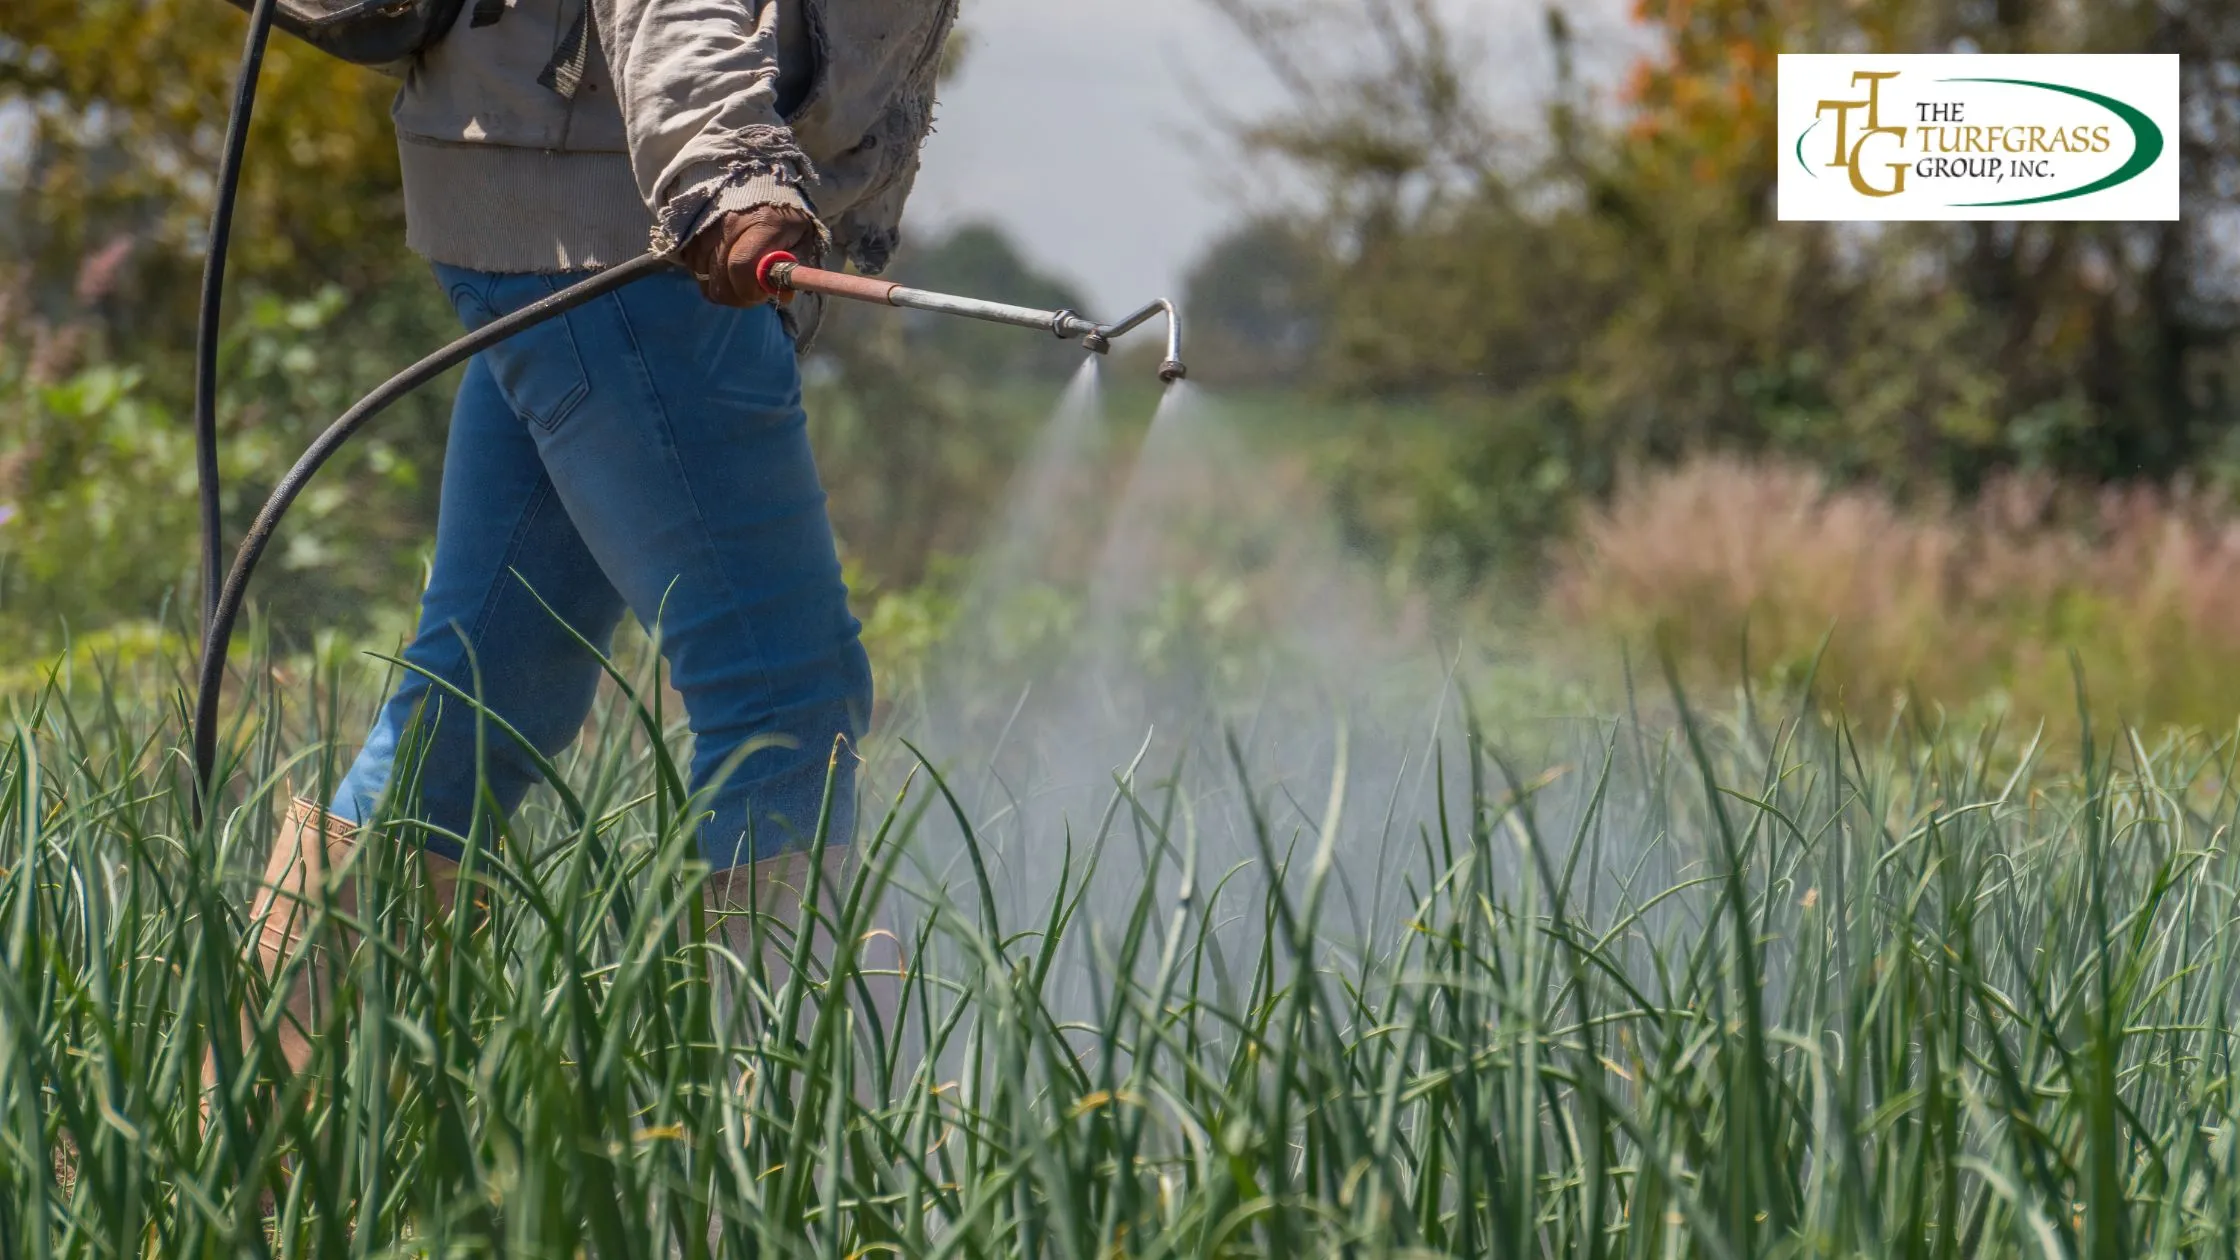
(723, 255)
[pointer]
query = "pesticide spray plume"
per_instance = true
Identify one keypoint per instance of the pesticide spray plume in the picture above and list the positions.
(1173, 673)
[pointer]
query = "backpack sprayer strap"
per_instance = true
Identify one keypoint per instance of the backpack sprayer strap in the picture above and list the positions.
(376, 32)
(564, 73)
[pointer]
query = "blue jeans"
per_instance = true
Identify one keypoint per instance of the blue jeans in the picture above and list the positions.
(647, 451)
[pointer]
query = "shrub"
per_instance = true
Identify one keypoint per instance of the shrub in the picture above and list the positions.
(1950, 603)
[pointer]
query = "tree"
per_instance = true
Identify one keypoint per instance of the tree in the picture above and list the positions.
(981, 260)
(103, 262)
(1609, 273)
(1257, 302)
(130, 98)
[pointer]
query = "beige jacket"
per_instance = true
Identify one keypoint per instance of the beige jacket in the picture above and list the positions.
(561, 138)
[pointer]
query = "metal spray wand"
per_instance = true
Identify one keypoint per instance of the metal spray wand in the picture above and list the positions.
(781, 272)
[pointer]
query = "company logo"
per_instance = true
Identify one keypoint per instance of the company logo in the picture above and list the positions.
(1978, 137)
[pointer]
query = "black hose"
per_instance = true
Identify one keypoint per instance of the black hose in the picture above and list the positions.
(213, 295)
(218, 638)
(223, 1059)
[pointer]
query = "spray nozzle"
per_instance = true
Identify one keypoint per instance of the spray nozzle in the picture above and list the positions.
(1171, 368)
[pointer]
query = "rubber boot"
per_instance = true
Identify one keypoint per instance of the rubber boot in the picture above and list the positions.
(312, 843)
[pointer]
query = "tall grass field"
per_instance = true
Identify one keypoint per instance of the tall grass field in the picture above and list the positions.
(1748, 982)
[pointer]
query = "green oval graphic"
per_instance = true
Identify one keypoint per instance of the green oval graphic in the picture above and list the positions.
(2146, 148)
(1800, 147)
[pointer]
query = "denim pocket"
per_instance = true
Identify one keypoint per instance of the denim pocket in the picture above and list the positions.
(745, 359)
(539, 370)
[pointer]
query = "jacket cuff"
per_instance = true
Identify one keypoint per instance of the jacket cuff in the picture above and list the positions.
(763, 190)
(709, 191)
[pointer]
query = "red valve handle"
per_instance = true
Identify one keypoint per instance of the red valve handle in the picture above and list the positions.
(770, 262)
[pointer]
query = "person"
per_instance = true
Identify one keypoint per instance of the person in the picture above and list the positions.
(648, 451)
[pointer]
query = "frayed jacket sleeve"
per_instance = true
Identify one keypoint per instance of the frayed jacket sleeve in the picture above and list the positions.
(697, 81)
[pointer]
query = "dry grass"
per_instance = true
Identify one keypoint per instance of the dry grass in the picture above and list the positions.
(1952, 604)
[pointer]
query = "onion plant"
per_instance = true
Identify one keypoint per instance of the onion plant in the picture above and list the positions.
(1723, 985)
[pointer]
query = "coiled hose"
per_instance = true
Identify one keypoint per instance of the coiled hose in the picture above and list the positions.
(223, 591)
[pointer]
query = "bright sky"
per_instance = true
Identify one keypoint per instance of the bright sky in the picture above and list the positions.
(1076, 124)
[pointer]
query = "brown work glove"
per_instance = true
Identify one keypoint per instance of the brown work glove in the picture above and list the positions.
(724, 254)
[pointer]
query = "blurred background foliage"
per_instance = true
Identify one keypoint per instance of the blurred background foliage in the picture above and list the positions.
(1500, 338)
(1602, 284)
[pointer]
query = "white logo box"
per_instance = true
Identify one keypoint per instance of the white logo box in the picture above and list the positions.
(1987, 136)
